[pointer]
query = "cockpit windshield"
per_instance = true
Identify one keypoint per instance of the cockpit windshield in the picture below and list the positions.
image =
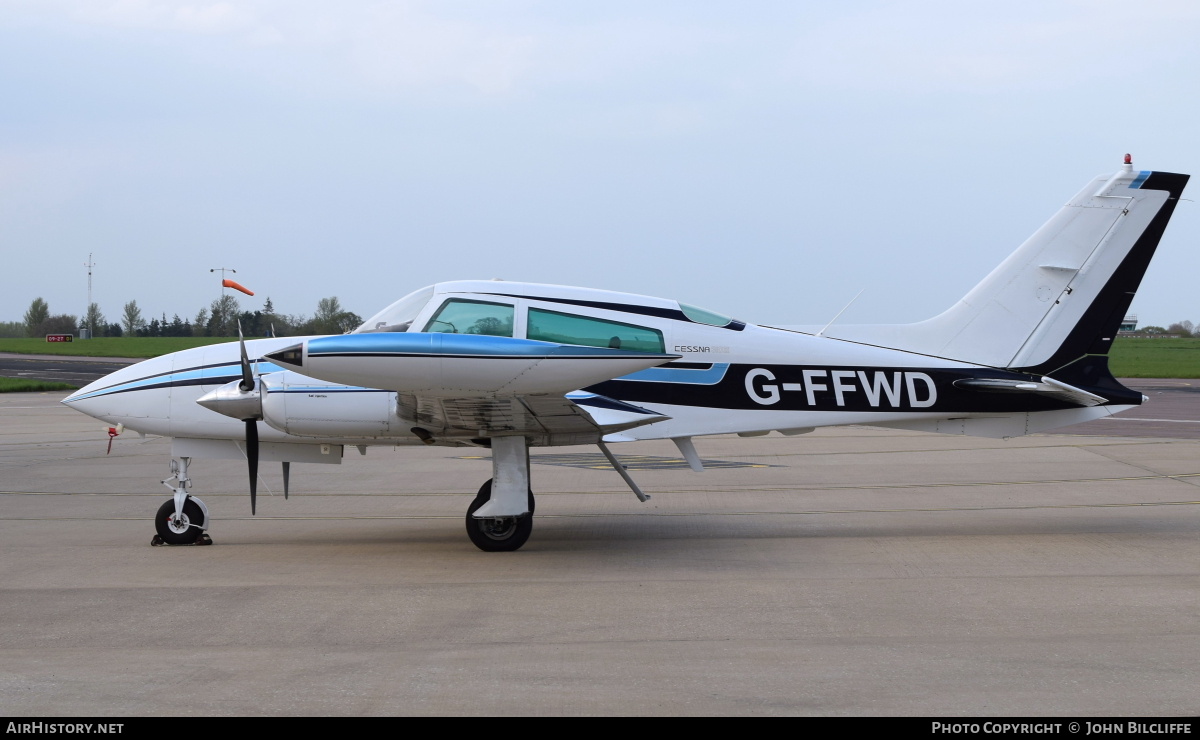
(703, 316)
(398, 316)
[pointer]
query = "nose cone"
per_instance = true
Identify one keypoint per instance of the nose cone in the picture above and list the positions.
(93, 401)
(79, 394)
(140, 391)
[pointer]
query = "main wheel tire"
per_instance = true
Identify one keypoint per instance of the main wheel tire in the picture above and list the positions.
(498, 535)
(186, 530)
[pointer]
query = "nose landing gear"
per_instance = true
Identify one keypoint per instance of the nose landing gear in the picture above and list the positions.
(180, 529)
(182, 519)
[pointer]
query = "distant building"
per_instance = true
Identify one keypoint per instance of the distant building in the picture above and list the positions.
(1128, 325)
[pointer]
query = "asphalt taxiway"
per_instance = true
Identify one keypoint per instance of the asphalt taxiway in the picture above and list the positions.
(852, 571)
(78, 371)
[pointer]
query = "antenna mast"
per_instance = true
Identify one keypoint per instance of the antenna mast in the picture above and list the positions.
(88, 313)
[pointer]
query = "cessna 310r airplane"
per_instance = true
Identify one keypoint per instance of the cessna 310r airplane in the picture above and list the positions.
(510, 366)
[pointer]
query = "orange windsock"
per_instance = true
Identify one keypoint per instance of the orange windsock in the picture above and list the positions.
(230, 284)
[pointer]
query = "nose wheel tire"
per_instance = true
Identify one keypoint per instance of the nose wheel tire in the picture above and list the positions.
(184, 530)
(498, 535)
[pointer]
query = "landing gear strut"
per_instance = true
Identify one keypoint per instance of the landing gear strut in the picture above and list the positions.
(500, 518)
(182, 519)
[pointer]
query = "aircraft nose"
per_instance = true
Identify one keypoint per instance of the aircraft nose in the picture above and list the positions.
(111, 398)
(87, 400)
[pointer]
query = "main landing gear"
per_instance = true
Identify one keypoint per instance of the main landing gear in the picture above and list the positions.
(500, 519)
(182, 519)
(498, 534)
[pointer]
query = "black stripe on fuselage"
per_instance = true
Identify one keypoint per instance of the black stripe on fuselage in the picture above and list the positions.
(171, 372)
(208, 380)
(862, 389)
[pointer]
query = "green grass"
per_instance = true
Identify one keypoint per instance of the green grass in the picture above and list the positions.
(1155, 358)
(25, 385)
(109, 346)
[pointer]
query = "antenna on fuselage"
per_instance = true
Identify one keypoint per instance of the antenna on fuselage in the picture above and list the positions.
(839, 313)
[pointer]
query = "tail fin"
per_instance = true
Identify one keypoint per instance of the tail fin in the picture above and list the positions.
(1063, 293)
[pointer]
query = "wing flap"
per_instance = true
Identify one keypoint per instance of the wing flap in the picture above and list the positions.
(578, 418)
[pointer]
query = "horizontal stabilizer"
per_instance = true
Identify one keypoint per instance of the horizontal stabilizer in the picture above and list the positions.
(1047, 387)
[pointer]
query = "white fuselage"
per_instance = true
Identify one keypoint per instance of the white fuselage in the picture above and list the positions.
(733, 378)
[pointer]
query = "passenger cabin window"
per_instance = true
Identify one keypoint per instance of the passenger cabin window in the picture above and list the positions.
(565, 328)
(458, 316)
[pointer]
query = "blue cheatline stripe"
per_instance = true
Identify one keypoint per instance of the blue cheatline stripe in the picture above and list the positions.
(711, 376)
(479, 345)
(1141, 178)
(201, 375)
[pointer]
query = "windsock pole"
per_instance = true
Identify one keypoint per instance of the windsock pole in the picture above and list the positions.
(223, 271)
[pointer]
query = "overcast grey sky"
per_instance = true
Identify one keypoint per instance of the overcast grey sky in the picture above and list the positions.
(764, 159)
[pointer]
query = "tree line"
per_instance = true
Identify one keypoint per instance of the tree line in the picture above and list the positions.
(1178, 329)
(219, 319)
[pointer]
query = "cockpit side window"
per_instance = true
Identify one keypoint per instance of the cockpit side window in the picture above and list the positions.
(459, 316)
(398, 316)
(565, 328)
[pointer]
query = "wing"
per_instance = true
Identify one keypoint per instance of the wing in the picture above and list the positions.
(461, 387)
(576, 418)
(461, 365)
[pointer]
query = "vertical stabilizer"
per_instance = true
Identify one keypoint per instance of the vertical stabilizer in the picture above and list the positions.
(1063, 293)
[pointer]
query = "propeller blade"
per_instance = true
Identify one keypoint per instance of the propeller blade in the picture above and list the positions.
(252, 458)
(247, 383)
(287, 469)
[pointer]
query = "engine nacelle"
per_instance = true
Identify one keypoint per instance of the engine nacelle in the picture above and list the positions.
(305, 407)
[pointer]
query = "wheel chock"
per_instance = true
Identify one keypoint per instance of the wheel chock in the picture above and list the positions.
(201, 541)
